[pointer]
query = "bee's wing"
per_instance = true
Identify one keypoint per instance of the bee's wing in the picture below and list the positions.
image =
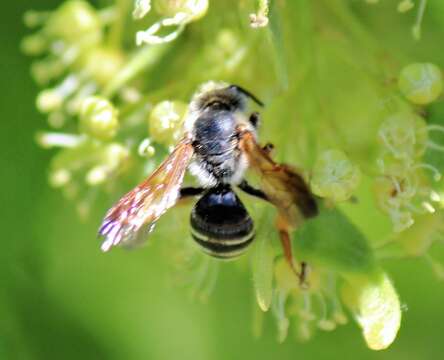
(282, 185)
(135, 214)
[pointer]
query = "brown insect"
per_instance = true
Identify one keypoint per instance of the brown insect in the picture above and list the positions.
(218, 146)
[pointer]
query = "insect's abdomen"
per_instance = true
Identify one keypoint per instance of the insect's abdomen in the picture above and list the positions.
(221, 224)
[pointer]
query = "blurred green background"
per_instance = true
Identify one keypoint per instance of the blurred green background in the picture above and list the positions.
(61, 298)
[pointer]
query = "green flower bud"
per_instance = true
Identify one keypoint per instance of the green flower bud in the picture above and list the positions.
(334, 176)
(193, 9)
(326, 325)
(340, 318)
(375, 305)
(98, 118)
(96, 176)
(33, 18)
(49, 100)
(109, 159)
(421, 83)
(59, 177)
(102, 64)
(165, 122)
(114, 154)
(34, 44)
(46, 70)
(74, 21)
(404, 135)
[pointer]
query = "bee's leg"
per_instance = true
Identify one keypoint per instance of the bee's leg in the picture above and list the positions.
(268, 148)
(288, 254)
(187, 192)
(255, 119)
(247, 188)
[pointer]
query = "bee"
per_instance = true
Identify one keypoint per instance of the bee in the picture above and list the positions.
(219, 144)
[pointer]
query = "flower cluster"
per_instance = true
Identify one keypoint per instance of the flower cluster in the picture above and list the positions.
(116, 98)
(403, 190)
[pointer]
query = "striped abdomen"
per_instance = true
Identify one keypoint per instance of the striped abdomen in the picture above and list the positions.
(221, 225)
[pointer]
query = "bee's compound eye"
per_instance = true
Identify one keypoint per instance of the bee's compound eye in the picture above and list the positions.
(218, 105)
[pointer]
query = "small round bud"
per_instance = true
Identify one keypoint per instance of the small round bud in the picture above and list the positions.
(334, 176)
(194, 9)
(165, 121)
(49, 100)
(405, 5)
(326, 325)
(115, 153)
(33, 18)
(59, 177)
(421, 83)
(73, 21)
(404, 135)
(34, 44)
(96, 176)
(46, 70)
(102, 64)
(98, 118)
(340, 318)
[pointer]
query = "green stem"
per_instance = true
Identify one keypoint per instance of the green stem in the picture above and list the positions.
(417, 27)
(143, 59)
(117, 30)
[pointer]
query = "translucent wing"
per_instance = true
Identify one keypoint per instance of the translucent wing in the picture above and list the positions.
(283, 186)
(135, 214)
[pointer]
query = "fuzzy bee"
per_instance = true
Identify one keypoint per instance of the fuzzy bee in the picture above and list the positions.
(218, 146)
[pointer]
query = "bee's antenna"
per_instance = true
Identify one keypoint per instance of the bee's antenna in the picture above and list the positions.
(248, 94)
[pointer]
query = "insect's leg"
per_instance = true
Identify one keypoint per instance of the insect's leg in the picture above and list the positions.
(187, 192)
(254, 119)
(268, 148)
(247, 188)
(288, 254)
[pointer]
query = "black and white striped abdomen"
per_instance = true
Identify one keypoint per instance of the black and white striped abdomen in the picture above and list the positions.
(220, 224)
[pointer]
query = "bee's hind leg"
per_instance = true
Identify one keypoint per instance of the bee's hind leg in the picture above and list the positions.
(250, 190)
(288, 254)
(188, 192)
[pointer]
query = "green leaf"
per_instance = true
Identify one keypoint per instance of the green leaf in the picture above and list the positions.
(331, 239)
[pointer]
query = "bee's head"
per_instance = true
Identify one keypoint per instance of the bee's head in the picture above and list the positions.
(221, 96)
(218, 96)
